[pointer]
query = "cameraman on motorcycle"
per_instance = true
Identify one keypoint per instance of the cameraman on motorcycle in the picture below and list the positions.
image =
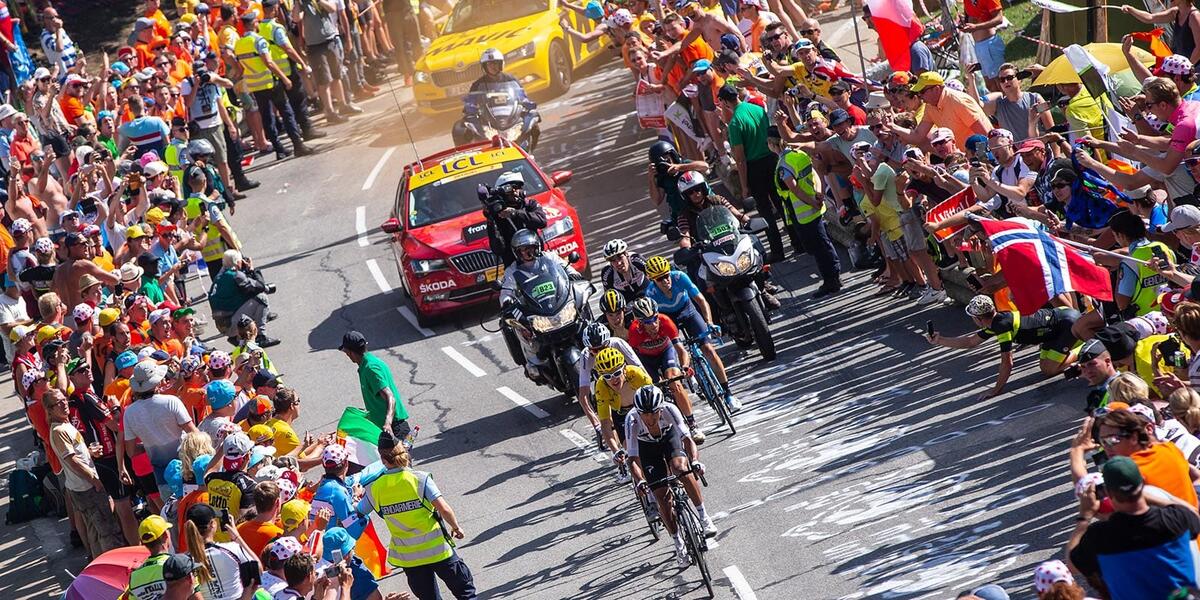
(666, 167)
(509, 211)
(493, 79)
(527, 248)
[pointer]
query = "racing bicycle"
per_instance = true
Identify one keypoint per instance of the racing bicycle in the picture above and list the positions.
(687, 521)
(704, 382)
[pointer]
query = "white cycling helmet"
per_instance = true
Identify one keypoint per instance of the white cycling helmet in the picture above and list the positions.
(491, 55)
(622, 17)
(510, 177)
(614, 248)
(981, 306)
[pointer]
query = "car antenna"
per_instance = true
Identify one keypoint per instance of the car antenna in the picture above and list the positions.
(407, 131)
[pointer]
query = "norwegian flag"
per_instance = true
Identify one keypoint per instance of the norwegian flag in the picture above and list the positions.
(1037, 266)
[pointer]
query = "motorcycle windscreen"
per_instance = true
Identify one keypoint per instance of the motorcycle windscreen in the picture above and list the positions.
(544, 287)
(500, 101)
(717, 227)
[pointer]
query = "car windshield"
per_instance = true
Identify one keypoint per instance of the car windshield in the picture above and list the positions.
(455, 196)
(469, 14)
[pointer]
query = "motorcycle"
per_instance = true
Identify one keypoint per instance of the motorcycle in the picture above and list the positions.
(500, 111)
(731, 262)
(547, 319)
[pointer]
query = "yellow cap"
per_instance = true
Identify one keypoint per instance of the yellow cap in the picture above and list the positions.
(46, 332)
(109, 316)
(136, 231)
(261, 434)
(188, 17)
(152, 528)
(927, 79)
(293, 513)
(155, 216)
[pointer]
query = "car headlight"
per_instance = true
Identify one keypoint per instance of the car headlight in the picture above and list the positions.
(427, 266)
(525, 51)
(559, 228)
(564, 317)
(422, 77)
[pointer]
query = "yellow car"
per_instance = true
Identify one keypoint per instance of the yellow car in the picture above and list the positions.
(536, 51)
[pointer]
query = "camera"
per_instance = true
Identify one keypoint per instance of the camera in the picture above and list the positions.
(204, 77)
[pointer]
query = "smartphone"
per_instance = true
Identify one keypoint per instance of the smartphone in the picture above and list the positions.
(1041, 107)
(981, 153)
(225, 518)
(1024, 74)
(336, 555)
(1159, 254)
(929, 329)
(250, 573)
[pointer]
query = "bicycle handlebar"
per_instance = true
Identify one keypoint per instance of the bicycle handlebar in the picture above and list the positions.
(663, 383)
(669, 479)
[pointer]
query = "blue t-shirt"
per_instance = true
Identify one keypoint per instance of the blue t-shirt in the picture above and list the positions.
(145, 131)
(336, 496)
(1129, 274)
(1142, 556)
(167, 257)
(679, 301)
(1158, 217)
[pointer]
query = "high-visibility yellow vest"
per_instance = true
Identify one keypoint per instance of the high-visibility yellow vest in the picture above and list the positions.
(215, 246)
(173, 157)
(146, 582)
(417, 537)
(267, 30)
(254, 69)
(1145, 291)
(797, 165)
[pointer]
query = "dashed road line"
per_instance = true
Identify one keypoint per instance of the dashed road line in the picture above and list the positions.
(408, 315)
(520, 400)
(587, 447)
(463, 361)
(740, 586)
(360, 225)
(380, 280)
(378, 167)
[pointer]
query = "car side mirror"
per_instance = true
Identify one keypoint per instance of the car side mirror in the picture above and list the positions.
(573, 257)
(560, 178)
(391, 225)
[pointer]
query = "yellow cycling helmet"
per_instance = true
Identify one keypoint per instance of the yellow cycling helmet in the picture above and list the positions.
(612, 302)
(657, 266)
(610, 360)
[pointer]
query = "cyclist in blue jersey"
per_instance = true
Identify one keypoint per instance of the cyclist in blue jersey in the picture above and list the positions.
(679, 298)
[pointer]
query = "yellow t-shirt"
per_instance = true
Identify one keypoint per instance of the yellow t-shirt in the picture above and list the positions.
(286, 439)
(609, 400)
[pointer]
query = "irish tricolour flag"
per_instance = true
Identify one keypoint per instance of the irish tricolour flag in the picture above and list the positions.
(359, 435)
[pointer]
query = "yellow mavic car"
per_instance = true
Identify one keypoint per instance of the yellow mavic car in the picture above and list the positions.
(536, 51)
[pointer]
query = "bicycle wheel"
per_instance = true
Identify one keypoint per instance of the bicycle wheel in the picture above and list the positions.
(693, 535)
(717, 398)
(651, 520)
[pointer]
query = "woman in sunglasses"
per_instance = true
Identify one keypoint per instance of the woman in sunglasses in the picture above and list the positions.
(1126, 433)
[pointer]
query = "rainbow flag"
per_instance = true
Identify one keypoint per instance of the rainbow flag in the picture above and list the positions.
(372, 551)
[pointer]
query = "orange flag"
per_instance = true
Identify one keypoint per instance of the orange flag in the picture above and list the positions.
(371, 551)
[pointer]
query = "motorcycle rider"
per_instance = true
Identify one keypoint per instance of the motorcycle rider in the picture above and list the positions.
(509, 211)
(666, 167)
(625, 272)
(527, 247)
(493, 79)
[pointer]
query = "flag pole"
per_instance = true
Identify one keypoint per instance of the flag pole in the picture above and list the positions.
(1095, 250)
(855, 10)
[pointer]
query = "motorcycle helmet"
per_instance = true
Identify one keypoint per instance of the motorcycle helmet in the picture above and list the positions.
(622, 17)
(596, 335)
(525, 238)
(612, 302)
(663, 153)
(657, 266)
(644, 308)
(690, 181)
(609, 361)
(491, 55)
(648, 399)
(614, 248)
(197, 148)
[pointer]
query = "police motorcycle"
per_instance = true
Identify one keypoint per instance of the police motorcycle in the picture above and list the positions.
(729, 258)
(497, 106)
(546, 307)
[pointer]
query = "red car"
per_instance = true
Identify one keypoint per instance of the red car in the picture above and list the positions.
(439, 233)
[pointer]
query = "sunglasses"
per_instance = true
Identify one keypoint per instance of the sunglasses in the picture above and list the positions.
(941, 142)
(1060, 185)
(1109, 441)
(772, 38)
(875, 127)
(1191, 162)
(614, 376)
(1007, 77)
(649, 320)
(808, 31)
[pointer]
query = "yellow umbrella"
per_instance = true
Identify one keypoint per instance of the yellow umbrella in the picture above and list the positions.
(1060, 70)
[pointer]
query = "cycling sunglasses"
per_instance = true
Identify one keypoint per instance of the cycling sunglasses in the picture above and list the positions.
(615, 375)
(649, 320)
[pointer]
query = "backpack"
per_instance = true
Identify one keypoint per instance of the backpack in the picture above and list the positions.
(24, 497)
(54, 503)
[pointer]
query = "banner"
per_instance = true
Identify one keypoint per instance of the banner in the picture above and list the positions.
(650, 109)
(948, 208)
(1057, 7)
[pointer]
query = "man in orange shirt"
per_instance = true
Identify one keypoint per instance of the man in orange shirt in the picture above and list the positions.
(1127, 433)
(162, 26)
(118, 389)
(145, 42)
(76, 96)
(753, 11)
(944, 107)
(161, 333)
(259, 531)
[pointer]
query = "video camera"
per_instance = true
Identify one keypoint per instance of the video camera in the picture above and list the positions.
(494, 200)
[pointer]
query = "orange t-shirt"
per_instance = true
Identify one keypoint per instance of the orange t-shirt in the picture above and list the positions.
(194, 497)
(196, 401)
(171, 346)
(1163, 465)
(162, 25)
(697, 50)
(258, 535)
(72, 108)
(119, 388)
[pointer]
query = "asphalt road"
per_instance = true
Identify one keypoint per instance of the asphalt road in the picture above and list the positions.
(864, 465)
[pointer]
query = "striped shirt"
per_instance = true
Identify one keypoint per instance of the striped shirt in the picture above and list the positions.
(65, 55)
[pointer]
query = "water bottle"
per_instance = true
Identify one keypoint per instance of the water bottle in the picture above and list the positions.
(411, 438)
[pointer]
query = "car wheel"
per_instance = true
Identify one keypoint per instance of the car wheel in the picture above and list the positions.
(560, 68)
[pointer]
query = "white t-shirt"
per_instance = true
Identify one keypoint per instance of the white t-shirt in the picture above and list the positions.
(1173, 431)
(158, 421)
(12, 310)
(224, 559)
(1009, 175)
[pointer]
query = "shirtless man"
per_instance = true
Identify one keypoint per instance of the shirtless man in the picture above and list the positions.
(708, 25)
(982, 19)
(78, 263)
(47, 189)
(21, 206)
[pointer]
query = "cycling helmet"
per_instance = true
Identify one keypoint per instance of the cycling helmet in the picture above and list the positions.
(691, 180)
(491, 55)
(663, 151)
(981, 306)
(614, 248)
(523, 238)
(648, 399)
(609, 361)
(644, 308)
(510, 178)
(200, 148)
(657, 266)
(595, 335)
(612, 302)
(622, 17)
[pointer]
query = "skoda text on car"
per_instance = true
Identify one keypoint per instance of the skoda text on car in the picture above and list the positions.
(439, 232)
(536, 51)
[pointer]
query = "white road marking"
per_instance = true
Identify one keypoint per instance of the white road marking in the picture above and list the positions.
(520, 400)
(740, 586)
(712, 543)
(380, 280)
(360, 225)
(463, 361)
(378, 167)
(587, 447)
(408, 315)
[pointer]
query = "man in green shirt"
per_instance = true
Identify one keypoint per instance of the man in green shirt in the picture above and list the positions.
(384, 405)
(747, 134)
